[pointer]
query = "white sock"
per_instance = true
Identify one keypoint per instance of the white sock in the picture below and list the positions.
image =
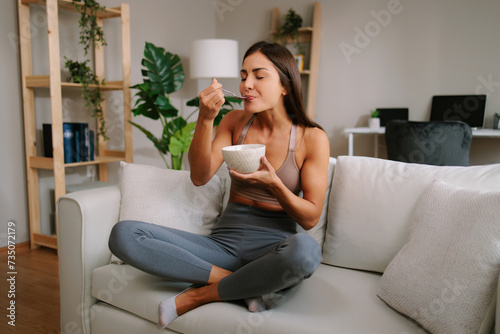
(167, 312)
(255, 304)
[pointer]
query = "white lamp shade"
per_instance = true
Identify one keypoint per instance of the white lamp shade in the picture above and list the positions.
(214, 58)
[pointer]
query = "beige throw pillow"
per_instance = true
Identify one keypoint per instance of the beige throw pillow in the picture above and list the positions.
(445, 277)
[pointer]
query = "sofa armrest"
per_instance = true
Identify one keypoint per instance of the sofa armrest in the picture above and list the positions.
(84, 222)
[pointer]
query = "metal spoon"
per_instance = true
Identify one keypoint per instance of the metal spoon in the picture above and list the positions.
(234, 95)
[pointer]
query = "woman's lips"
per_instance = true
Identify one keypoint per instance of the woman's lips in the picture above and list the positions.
(249, 98)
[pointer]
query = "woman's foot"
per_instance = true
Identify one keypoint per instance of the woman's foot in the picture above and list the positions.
(255, 304)
(169, 309)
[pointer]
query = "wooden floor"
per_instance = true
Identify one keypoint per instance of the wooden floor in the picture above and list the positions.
(36, 291)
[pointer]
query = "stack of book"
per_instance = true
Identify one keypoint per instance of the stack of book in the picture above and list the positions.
(79, 142)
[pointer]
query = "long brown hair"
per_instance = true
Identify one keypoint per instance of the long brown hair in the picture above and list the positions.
(289, 74)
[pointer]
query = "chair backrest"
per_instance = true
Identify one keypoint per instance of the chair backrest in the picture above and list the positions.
(431, 143)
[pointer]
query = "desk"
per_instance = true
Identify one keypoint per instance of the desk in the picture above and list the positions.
(478, 133)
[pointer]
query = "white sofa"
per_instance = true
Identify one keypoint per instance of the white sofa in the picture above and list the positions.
(364, 225)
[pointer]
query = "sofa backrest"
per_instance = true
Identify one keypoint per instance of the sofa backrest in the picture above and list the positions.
(372, 202)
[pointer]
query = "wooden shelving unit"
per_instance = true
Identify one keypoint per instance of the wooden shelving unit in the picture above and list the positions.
(52, 81)
(312, 36)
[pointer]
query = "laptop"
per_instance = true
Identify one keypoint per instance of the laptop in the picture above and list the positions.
(389, 114)
(466, 108)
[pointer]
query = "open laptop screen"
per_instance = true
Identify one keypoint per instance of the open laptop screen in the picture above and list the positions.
(466, 108)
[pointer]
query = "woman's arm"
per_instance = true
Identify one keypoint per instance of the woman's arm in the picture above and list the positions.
(306, 211)
(205, 155)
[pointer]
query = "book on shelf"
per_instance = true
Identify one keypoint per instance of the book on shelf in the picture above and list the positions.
(78, 142)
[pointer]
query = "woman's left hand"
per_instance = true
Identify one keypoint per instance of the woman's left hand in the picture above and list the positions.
(264, 176)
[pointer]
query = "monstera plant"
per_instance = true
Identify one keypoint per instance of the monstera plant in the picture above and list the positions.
(163, 75)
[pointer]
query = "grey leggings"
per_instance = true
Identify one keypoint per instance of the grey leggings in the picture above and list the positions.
(260, 247)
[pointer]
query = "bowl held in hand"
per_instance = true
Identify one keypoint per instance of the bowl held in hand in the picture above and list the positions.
(244, 158)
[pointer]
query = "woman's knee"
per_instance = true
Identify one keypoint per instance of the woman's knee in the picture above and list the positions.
(120, 236)
(302, 253)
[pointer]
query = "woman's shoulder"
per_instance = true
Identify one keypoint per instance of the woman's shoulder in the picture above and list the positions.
(314, 136)
(315, 143)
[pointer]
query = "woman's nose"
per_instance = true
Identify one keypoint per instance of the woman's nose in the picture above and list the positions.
(247, 84)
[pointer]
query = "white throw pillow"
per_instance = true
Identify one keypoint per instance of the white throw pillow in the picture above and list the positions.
(372, 201)
(445, 277)
(169, 198)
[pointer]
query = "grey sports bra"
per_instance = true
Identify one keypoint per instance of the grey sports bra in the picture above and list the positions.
(289, 173)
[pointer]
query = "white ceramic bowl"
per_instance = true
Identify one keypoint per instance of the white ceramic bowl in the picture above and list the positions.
(244, 158)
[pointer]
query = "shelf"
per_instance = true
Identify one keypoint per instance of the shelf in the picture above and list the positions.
(67, 5)
(48, 163)
(312, 37)
(44, 240)
(52, 82)
(43, 81)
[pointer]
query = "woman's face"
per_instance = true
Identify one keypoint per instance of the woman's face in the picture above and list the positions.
(260, 82)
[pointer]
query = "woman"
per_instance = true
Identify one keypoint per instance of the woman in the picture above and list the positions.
(254, 249)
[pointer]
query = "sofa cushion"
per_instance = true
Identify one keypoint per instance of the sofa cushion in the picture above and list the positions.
(333, 300)
(445, 276)
(372, 201)
(169, 198)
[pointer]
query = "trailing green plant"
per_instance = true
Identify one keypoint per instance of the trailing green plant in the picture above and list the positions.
(81, 73)
(290, 29)
(163, 74)
(90, 31)
(374, 113)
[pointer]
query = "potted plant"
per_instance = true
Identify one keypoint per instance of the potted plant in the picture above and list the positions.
(289, 30)
(163, 74)
(374, 121)
(80, 72)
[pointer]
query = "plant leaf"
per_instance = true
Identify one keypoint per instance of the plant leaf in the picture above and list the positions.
(164, 69)
(181, 140)
(195, 102)
(145, 104)
(165, 108)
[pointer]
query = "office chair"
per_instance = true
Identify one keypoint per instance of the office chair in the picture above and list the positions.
(433, 143)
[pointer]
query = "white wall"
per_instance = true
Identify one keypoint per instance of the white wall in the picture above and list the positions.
(426, 48)
(13, 193)
(172, 24)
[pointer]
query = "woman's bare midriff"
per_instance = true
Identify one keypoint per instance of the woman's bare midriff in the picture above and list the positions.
(261, 205)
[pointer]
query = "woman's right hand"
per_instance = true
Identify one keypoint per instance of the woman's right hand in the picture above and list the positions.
(211, 100)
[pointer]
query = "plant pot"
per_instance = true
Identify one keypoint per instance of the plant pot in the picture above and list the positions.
(374, 123)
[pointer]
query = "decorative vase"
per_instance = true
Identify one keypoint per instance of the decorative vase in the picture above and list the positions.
(374, 123)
